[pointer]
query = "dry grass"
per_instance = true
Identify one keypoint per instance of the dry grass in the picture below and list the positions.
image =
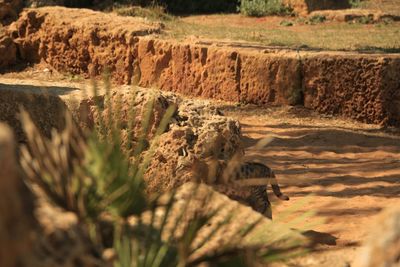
(328, 36)
(274, 31)
(152, 13)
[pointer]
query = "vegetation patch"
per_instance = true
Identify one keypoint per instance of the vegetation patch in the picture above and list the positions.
(286, 23)
(315, 19)
(259, 8)
(357, 3)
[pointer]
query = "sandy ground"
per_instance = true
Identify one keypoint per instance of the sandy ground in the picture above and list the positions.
(352, 169)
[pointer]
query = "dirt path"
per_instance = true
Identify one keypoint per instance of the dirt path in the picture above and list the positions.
(352, 169)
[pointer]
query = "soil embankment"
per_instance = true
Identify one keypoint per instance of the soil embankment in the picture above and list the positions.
(364, 87)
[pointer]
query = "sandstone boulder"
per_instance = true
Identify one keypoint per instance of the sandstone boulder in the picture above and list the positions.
(197, 131)
(195, 138)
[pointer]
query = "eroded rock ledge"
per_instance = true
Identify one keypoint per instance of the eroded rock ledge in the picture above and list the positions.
(365, 87)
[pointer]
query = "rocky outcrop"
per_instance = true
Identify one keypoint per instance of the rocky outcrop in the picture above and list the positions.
(9, 10)
(383, 246)
(80, 41)
(16, 205)
(194, 137)
(96, 40)
(197, 131)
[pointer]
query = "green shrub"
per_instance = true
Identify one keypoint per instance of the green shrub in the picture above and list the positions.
(286, 23)
(316, 19)
(259, 8)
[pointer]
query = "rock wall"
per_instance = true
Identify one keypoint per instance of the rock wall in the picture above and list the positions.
(212, 72)
(365, 88)
(360, 86)
(197, 131)
(80, 41)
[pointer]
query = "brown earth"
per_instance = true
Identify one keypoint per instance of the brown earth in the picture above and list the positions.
(352, 169)
(359, 86)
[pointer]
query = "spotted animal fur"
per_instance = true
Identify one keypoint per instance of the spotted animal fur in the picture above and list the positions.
(218, 172)
(258, 199)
